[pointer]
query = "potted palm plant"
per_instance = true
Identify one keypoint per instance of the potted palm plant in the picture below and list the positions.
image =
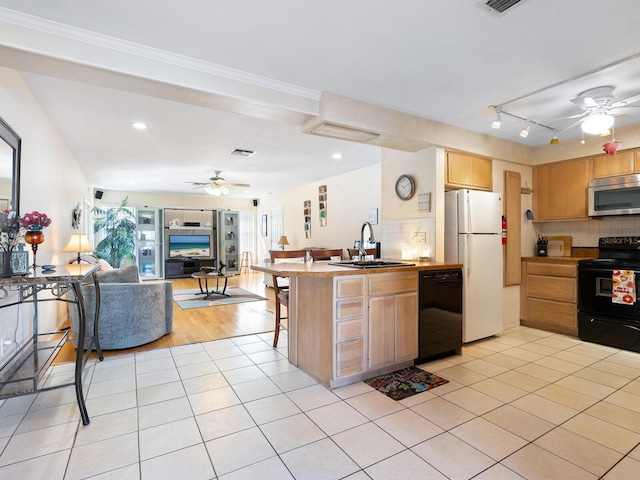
(117, 229)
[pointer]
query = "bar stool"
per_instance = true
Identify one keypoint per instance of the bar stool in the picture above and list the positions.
(246, 261)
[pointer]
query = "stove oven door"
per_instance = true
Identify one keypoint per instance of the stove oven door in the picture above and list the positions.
(594, 293)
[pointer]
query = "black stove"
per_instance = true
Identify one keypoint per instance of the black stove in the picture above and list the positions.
(620, 252)
(600, 319)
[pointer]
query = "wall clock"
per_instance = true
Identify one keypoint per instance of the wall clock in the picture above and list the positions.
(405, 187)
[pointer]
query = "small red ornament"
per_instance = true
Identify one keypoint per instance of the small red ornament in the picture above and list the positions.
(610, 148)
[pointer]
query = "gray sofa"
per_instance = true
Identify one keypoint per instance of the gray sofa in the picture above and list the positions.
(132, 312)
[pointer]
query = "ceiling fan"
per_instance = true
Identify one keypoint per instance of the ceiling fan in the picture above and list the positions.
(599, 109)
(217, 185)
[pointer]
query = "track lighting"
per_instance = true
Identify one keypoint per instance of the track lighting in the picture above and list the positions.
(497, 123)
(554, 140)
(524, 133)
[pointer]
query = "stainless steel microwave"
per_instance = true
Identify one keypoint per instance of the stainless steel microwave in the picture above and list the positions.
(614, 196)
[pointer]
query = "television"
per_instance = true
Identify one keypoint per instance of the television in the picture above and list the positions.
(189, 246)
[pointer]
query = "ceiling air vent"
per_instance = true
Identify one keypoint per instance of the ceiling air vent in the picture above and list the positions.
(242, 153)
(498, 7)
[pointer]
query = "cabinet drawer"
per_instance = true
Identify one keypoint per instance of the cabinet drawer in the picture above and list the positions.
(349, 287)
(552, 313)
(349, 308)
(552, 288)
(392, 283)
(349, 329)
(552, 269)
(350, 357)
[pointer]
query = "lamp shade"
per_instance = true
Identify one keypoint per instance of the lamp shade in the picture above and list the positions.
(78, 243)
(283, 241)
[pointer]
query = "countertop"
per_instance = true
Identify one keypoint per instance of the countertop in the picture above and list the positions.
(323, 269)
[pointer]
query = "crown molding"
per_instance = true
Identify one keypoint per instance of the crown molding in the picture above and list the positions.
(38, 25)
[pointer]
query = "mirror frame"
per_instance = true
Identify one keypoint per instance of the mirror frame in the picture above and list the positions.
(15, 142)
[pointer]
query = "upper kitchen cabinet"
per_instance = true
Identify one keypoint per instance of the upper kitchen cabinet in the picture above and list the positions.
(560, 190)
(466, 171)
(622, 163)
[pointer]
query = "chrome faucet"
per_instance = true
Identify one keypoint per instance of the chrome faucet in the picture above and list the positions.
(363, 252)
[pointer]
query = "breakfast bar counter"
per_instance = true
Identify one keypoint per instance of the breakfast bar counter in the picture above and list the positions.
(346, 324)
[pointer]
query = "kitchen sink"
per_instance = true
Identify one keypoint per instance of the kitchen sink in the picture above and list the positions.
(371, 264)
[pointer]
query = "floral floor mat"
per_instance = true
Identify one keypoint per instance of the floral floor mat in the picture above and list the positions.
(406, 382)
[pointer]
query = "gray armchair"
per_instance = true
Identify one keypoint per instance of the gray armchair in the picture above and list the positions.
(132, 312)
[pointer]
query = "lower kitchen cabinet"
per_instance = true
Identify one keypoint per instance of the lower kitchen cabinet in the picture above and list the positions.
(392, 315)
(375, 322)
(549, 296)
(349, 326)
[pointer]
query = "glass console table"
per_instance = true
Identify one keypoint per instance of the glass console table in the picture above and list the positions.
(26, 370)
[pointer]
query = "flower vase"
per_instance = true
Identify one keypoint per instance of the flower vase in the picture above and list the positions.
(34, 238)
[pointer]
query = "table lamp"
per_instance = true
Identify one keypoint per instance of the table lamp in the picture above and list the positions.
(78, 243)
(283, 241)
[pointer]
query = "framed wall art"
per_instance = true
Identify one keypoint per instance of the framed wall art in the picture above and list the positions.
(322, 205)
(307, 218)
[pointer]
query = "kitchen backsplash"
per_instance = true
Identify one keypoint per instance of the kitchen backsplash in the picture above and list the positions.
(587, 232)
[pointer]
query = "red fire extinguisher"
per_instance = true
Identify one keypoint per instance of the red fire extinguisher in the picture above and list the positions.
(504, 230)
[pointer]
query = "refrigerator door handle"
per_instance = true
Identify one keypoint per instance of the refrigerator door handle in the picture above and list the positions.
(468, 199)
(467, 255)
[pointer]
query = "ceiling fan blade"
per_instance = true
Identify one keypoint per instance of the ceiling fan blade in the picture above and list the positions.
(198, 183)
(577, 115)
(627, 101)
(245, 185)
(585, 102)
(574, 124)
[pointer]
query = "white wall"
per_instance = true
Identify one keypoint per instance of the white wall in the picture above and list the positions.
(404, 226)
(51, 182)
(349, 199)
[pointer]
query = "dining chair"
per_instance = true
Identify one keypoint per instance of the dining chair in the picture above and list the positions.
(280, 290)
(325, 254)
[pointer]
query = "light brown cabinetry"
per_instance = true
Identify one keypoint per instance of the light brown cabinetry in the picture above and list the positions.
(349, 325)
(560, 190)
(466, 171)
(621, 163)
(549, 296)
(393, 319)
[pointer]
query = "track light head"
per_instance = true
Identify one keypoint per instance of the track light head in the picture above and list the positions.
(555, 140)
(497, 123)
(524, 133)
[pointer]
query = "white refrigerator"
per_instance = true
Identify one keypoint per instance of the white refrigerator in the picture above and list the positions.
(473, 237)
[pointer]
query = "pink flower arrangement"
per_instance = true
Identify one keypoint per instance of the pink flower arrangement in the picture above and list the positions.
(35, 221)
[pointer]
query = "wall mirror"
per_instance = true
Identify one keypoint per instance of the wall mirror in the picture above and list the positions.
(9, 168)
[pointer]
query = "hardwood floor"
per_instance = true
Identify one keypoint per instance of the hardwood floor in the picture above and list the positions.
(210, 323)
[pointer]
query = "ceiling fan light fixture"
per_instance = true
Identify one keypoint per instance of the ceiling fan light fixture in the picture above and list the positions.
(524, 133)
(497, 123)
(597, 123)
(224, 190)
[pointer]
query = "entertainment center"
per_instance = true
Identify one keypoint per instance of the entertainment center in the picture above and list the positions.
(190, 237)
(184, 267)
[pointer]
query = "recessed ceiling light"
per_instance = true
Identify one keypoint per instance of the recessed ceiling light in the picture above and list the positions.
(139, 125)
(337, 156)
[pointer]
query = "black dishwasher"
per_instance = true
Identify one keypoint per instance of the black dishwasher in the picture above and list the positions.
(440, 316)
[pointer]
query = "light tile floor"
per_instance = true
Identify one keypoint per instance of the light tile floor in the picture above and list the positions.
(527, 404)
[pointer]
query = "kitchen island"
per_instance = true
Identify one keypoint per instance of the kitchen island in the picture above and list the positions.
(347, 324)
